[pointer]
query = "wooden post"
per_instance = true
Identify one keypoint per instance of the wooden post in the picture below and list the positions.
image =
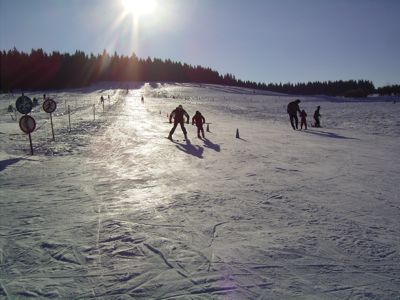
(69, 118)
(94, 112)
(52, 128)
(237, 134)
(30, 143)
(208, 128)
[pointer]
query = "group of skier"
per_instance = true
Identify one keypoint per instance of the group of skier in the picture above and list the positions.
(178, 114)
(293, 108)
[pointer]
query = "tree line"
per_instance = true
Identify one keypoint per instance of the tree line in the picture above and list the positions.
(389, 90)
(39, 70)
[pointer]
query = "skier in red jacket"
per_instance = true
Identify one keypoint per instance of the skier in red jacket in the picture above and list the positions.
(178, 115)
(199, 120)
(303, 117)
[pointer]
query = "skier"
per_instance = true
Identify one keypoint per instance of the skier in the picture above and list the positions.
(316, 117)
(303, 120)
(199, 120)
(292, 109)
(178, 114)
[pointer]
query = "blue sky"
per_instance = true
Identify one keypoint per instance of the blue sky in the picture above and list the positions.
(257, 40)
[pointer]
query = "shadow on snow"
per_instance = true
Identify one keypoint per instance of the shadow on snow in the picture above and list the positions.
(328, 134)
(7, 162)
(211, 145)
(190, 149)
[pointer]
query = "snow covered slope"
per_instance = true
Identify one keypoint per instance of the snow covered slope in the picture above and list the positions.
(113, 210)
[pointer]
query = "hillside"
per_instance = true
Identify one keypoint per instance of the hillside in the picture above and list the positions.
(114, 210)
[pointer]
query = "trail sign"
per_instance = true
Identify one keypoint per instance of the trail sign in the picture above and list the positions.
(49, 105)
(27, 124)
(24, 105)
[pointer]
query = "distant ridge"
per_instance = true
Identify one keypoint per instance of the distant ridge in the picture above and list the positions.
(39, 70)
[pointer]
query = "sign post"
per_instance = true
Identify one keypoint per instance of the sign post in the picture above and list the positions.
(49, 106)
(69, 118)
(52, 127)
(28, 125)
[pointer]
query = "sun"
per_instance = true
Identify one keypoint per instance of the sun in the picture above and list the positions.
(139, 7)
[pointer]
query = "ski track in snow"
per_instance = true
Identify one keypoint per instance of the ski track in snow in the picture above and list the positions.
(113, 210)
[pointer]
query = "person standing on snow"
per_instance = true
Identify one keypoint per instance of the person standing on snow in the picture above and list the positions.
(303, 120)
(178, 114)
(292, 109)
(199, 120)
(316, 117)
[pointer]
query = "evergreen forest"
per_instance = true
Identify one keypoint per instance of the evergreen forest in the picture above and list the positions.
(39, 70)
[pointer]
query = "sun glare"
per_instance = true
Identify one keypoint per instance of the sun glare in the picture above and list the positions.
(139, 7)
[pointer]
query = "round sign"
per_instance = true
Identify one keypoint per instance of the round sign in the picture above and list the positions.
(49, 105)
(24, 105)
(27, 124)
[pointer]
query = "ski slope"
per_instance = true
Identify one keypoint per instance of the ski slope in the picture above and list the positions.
(113, 210)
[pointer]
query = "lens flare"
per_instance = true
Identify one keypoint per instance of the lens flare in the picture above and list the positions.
(139, 7)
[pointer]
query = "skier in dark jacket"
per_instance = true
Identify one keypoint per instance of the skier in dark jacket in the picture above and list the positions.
(199, 120)
(178, 115)
(316, 117)
(292, 109)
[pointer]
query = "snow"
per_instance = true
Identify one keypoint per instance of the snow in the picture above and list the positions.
(113, 210)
